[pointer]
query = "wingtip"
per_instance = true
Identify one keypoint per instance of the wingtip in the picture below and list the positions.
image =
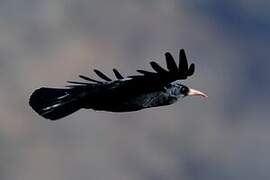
(182, 50)
(191, 70)
(158, 68)
(117, 74)
(171, 65)
(102, 75)
(167, 54)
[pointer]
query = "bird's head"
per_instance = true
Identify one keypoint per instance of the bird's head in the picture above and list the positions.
(179, 90)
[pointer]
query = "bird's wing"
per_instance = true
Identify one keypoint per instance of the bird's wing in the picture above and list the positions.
(146, 81)
(163, 76)
(173, 73)
(93, 82)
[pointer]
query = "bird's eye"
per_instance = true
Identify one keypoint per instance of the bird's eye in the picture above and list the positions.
(184, 90)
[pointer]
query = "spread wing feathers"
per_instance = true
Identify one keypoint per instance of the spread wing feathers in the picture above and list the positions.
(161, 75)
(117, 74)
(89, 79)
(191, 70)
(102, 75)
(183, 65)
(78, 83)
(94, 81)
(173, 73)
(158, 68)
(146, 73)
(171, 65)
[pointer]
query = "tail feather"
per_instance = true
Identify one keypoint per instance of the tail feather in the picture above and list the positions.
(54, 104)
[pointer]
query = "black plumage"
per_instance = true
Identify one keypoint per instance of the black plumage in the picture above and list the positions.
(149, 89)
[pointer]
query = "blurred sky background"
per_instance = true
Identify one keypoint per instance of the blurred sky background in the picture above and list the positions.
(227, 136)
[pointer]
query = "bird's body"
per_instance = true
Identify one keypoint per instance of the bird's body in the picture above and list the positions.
(128, 101)
(122, 95)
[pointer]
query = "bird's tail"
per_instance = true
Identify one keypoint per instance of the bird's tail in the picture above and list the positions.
(54, 104)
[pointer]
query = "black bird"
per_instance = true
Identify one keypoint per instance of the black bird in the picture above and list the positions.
(149, 89)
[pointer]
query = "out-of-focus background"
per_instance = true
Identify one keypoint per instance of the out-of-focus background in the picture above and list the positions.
(227, 136)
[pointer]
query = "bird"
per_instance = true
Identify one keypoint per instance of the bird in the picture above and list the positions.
(124, 94)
